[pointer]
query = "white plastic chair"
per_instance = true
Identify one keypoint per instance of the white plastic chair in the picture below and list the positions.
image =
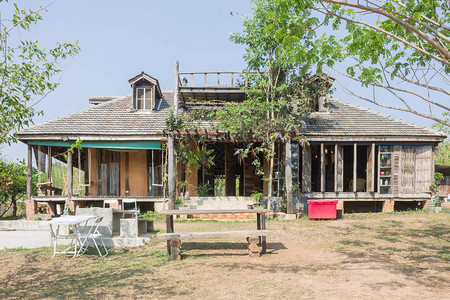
(109, 202)
(92, 236)
(135, 211)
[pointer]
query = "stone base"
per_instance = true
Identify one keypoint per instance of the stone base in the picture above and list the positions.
(290, 217)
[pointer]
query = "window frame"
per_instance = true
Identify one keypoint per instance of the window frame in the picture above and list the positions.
(144, 98)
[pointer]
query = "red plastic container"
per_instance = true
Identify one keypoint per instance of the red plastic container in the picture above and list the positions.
(322, 209)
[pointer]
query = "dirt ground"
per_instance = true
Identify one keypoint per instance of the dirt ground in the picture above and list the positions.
(364, 256)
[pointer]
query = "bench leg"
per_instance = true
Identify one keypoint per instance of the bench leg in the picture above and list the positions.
(175, 249)
(253, 248)
(169, 229)
(261, 225)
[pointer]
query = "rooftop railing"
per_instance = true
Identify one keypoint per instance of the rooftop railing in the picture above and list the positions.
(217, 79)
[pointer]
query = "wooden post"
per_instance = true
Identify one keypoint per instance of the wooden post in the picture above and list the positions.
(127, 174)
(69, 175)
(288, 177)
(370, 187)
(175, 91)
(355, 167)
(49, 164)
(29, 172)
(172, 176)
(339, 168)
(322, 168)
(306, 169)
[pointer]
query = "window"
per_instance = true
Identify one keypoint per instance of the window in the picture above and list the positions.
(144, 98)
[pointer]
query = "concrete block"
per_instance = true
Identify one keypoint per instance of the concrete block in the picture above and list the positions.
(290, 217)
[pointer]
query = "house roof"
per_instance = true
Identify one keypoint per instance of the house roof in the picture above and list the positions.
(117, 119)
(345, 119)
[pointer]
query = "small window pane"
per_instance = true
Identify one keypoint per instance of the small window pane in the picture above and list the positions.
(148, 98)
(140, 99)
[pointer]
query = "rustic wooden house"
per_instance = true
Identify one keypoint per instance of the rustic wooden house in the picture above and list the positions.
(362, 158)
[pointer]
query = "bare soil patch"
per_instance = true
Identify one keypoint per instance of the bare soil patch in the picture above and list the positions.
(369, 256)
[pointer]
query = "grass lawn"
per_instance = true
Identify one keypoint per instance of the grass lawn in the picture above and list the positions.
(370, 256)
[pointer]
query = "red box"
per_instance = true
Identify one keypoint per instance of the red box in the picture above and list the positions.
(322, 209)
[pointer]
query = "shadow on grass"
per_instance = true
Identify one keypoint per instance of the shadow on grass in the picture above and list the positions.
(205, 249)
(412, 252)
(89, 276)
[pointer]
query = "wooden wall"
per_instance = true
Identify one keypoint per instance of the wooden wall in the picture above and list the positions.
(137, 173)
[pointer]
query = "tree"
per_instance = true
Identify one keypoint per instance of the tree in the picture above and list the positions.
(443, 150)
(281, 91)
(398, 48)
(26, 70)
(13, 184)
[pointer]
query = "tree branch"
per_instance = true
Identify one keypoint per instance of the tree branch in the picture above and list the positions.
(443, 51)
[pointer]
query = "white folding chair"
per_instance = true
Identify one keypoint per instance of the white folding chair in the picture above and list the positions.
(109, 202)
(135, 210)
(93, 235)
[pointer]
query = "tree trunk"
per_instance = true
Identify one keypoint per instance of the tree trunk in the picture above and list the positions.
(270, 183)
(14, 205)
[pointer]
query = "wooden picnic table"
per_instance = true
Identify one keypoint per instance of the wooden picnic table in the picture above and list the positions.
(172, 237)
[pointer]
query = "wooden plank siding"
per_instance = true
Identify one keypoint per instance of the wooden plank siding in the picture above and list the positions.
(423, 179)
(407, 184)
(396, 167)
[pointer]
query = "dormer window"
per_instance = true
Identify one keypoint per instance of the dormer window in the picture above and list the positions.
(144, 97)
(146, 92)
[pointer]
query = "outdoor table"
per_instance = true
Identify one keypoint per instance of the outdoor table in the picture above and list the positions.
(260, 218)
(76, 224)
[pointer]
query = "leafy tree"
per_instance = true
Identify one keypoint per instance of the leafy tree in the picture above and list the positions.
(281, 91)
(443, 153)
(398, 47)
(13, 184)
(26, 70)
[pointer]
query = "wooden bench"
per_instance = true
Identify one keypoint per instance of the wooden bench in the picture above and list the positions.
(47, 186)
(253, 238)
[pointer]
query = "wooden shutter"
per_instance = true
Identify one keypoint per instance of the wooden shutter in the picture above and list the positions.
(396, 175)
(408, 169)
(424, 166)
(339, 169)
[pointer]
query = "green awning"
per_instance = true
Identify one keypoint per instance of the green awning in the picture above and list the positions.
(154, 145)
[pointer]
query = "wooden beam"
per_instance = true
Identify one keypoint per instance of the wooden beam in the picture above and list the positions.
(322, 168)
(177, 86)
(29, 172)
(355, 167)
(339, 168)
(69, 174)
(288, 177)
(211, 235)
(49, 164)
(306, 169)
(127, 174)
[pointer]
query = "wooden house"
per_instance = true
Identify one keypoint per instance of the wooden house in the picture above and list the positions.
(362, 158)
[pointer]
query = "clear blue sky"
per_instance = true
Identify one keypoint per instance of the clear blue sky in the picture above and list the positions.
(119, 39)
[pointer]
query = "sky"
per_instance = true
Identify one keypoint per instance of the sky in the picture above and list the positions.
(120, 39)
